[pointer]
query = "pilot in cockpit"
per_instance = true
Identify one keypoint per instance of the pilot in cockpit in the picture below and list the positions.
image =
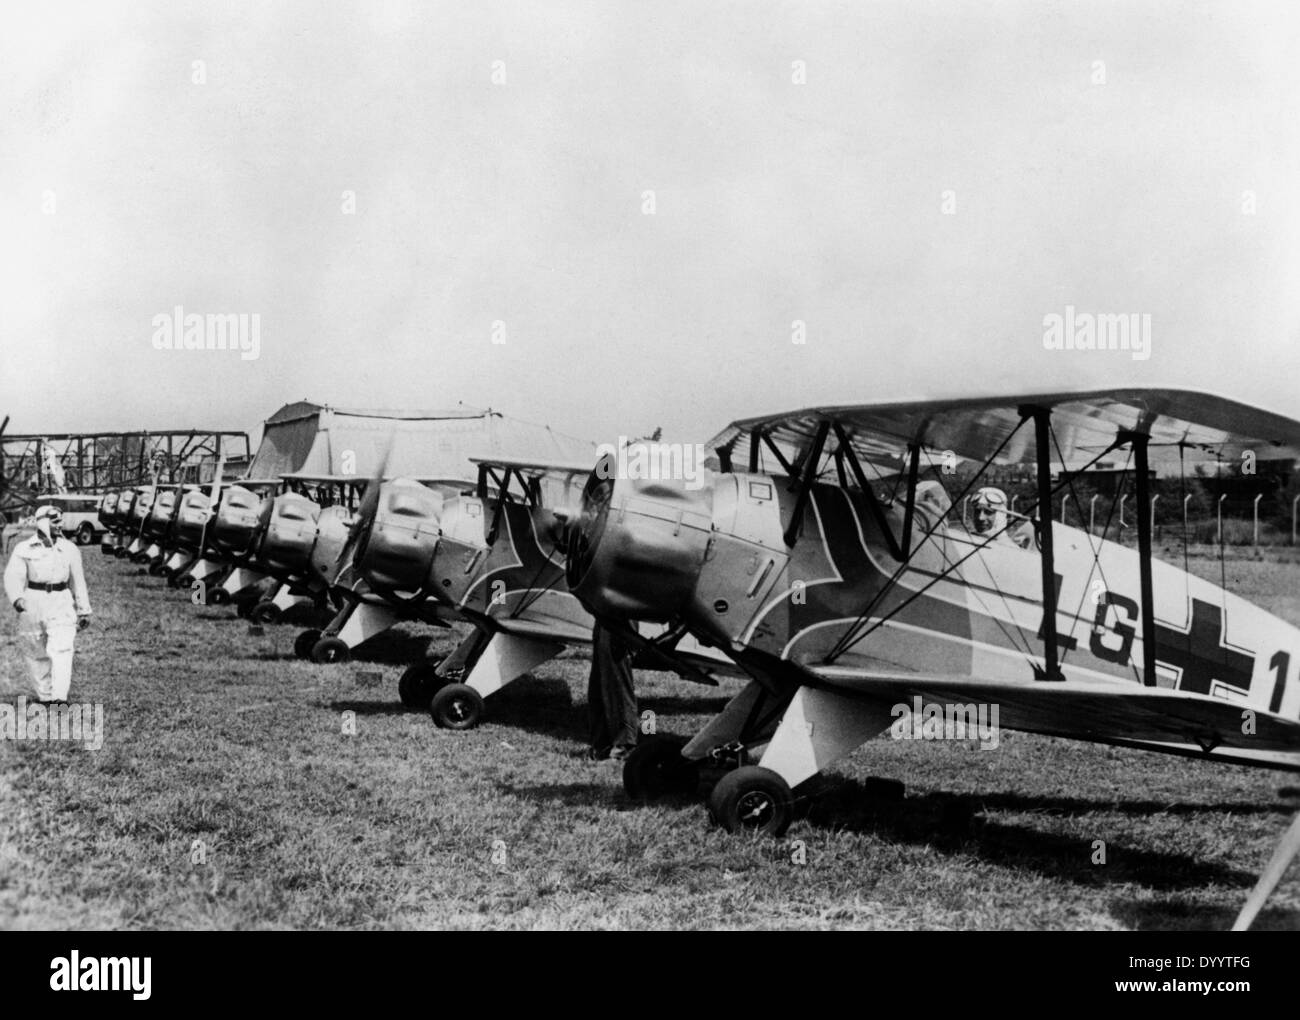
(991, 520)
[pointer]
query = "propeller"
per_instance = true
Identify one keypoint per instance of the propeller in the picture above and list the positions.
(365, 512)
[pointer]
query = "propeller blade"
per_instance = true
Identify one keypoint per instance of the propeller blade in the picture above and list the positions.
(365, 512)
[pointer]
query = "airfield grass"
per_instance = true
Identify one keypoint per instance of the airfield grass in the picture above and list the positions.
(222, 742)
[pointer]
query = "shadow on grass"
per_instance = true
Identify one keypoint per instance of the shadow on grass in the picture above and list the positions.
(392, 707)
(1177, 914)
(958, 823)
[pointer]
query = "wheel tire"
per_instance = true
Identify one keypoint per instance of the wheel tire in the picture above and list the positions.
(305, 642)
(219, 597)
(330, 649)
(752, 799)
(85, 534)
(155, 570)
(457, 707)
(119, 551)
(419, 684)
(656, 768)
(264, 611)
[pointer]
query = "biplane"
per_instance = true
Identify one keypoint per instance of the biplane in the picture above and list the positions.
(842, 601)
(491, 556)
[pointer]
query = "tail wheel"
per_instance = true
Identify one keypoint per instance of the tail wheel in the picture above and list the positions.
(418, 685)
(155, 569)
(457, 707)
(330, 649)
(305, 642)
(752, 799)
(656, 768)
(219, 597)
(265, 611)
(119, 551)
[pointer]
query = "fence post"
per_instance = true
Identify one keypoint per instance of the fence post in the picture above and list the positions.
(1185, 499)
(1219, 519)
(1256, 512)
(965, 508)
(1153, 512)
(1013, 502)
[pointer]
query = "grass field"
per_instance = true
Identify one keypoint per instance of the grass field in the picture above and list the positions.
(226, 795)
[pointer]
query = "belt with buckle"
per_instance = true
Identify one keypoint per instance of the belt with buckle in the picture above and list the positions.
(61, 586)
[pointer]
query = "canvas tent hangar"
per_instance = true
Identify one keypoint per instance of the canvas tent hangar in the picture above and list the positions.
(308, 439)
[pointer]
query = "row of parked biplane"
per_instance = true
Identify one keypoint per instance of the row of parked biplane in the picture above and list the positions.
(814, 561)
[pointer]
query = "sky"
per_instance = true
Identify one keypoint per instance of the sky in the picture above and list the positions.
(616, 216)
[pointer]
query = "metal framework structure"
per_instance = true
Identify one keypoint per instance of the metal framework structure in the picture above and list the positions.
(94, 461)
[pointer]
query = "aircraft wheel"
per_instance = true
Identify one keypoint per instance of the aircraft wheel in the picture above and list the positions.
(119, 551)
(418, 685)
(656, 768)
(219, 597)
(265, 611)
(184, 581)
(330, 649)
(752, 799)
(305, 642)
(155, 570)
(172, 581)
(85, 534)
(457, 707)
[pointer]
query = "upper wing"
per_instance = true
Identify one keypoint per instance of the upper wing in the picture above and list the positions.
(1180, 423)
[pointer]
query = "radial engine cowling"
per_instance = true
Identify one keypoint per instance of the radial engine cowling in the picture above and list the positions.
(636, 550)
(108, 510)
(712, 557)
(192, 516)
(160, 515)
(239, 520)
(398, 548)
(140, 507)
(290, 535)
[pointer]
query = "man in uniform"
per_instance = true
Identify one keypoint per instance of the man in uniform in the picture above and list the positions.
(611, 697)
(45, 584)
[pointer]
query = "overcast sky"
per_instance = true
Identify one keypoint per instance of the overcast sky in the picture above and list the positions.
(945, 176)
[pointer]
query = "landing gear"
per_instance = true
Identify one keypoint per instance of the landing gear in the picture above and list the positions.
(219, 597)
(418, 685)
(120, 552)
(656, 768)
(305, 642)
(457, 707)
(156, 569)
(330, 649)
(752, 799)
(265, 611)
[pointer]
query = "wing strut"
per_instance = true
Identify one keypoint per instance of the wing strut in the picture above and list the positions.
(869, 494)
(911, 498)
(805, 483)
(1138, 442)
(1042, 435)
